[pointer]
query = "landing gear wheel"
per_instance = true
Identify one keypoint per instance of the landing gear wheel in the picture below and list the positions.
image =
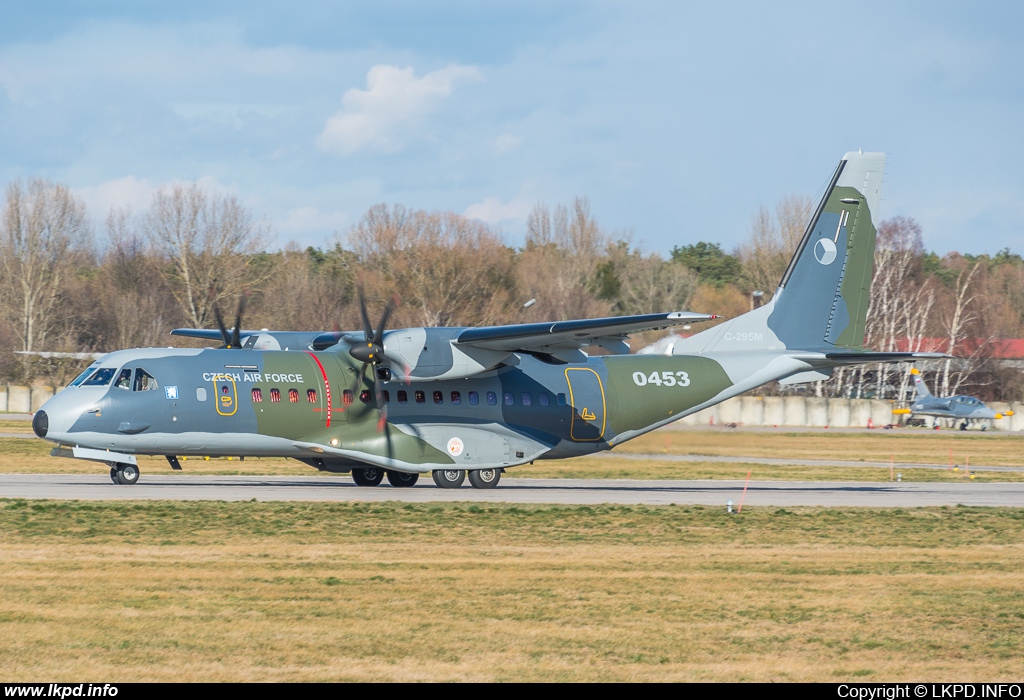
(368, 476)
(449, 478)
(127, 474)
(484, 478)
(113, 475)
(401, 479)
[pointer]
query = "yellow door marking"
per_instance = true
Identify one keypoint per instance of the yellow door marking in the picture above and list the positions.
(586, 415)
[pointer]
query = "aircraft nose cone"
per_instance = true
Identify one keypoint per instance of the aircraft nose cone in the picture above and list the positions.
(40, 423)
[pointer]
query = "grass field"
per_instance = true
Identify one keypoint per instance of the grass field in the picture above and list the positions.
(442, 592)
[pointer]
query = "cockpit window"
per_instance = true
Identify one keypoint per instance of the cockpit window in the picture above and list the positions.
(144, 381)
(124, 380)
(102, 377)
(80, 378)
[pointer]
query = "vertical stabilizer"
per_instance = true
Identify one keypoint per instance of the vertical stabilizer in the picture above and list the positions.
(919, 385)
(822, 301)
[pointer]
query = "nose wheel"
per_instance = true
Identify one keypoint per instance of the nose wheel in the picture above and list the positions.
(124, 474)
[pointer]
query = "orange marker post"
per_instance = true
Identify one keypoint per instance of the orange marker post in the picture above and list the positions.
(745, 485)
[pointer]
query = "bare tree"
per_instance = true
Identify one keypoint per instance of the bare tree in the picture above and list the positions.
(959, 317)
(773, 238)
(560, 264)
(208, 242)
(652, 285)
(445, 268)
(44, 226)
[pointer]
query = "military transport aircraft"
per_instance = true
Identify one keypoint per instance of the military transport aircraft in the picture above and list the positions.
(958, 409)
(398, 403)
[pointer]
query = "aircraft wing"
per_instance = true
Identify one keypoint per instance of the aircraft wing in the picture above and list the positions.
(571, 334)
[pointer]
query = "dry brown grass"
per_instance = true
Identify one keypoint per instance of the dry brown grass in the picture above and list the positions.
(905, 445)
(304, 592)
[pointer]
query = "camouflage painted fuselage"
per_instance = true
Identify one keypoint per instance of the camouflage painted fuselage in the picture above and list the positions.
(304, 405)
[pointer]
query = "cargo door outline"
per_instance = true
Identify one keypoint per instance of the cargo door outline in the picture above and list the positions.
(226, 402)
(588, 403)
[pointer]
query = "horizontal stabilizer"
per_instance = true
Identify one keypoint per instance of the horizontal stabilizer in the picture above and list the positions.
(859, 358)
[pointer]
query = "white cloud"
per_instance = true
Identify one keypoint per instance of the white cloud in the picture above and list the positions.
(505, 143)
(303, 221)
(123, 192)
(137, 193)
(385, 115)
(493, 211)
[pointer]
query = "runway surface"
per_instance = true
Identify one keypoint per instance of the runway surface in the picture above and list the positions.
(565, 491)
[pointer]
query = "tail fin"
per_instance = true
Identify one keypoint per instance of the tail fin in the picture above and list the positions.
(822, 301)
(922, 388)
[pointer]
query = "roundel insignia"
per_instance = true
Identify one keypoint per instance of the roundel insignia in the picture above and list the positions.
(825, 251)
(455, 447)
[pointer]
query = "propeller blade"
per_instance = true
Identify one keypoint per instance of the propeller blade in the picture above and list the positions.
(367, 326)
(220, 324)
(236, 333)
(379, 336)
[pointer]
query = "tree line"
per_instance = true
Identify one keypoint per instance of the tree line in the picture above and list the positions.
(68, 287)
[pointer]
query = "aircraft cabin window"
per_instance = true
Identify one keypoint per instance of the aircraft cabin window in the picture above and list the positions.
(456, 398)
(101, 378)
(527, 399)
(543, 399)
(201, 393)
(492, 398)
(474, 398)
(80, 378)
(510, 400)
(347, 397)
(561, 399)
(257, 395)
(144, 381)
(275, 396)
(311, 395)
(420, 396)
(364, 396)
(439, 397)
(403, 396)
(124, 380)
(387, 395)
(293, 395)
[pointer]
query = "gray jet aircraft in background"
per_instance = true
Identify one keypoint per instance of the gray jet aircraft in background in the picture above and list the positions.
(960, 410)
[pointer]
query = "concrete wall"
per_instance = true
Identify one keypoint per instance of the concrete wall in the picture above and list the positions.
(19, 399)
(40, 395)
(3, 398)
(810, 411)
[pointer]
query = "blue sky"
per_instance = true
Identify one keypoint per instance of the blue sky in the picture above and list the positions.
(676, 120)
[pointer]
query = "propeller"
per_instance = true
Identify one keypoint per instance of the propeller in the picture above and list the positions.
(370, 352)
(234, 338)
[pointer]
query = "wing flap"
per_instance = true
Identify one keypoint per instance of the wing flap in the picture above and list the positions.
(576, 334)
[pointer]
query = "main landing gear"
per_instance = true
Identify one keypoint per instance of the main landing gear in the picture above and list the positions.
(444, 478)
(124, 474)
(478, 478)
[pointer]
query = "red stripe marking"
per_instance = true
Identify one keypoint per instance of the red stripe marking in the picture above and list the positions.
(327, 386)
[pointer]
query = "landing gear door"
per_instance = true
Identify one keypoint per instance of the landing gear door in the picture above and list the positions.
(226, 393)
(586, 396)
